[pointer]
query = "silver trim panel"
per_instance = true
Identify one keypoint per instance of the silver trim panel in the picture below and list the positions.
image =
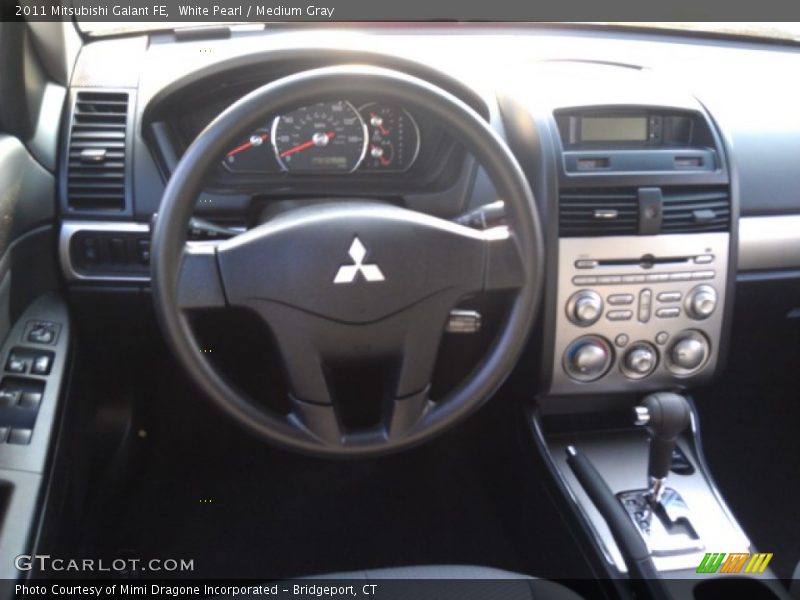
(769, 243)
(647, 321)
(70, 228)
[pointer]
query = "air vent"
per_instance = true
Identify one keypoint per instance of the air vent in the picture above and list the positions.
(97, 152)
(595, 212)
(690, 210)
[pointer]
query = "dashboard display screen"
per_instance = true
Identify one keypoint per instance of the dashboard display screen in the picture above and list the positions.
(614, 129)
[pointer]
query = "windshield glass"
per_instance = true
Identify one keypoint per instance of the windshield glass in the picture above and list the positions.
(777, 30)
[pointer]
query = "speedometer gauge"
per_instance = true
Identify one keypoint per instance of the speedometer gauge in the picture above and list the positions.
(323, 137)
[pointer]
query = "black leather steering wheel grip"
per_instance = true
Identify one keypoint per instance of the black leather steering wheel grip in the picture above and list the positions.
(403, 272)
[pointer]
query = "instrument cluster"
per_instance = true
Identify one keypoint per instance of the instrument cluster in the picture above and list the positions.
(328, 138)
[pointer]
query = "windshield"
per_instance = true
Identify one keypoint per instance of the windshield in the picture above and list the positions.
(776, 30)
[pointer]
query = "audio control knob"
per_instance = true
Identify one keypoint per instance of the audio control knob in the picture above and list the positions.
(584, 308)
(689, 352)
(587, 358)
(701, 302)
(640, 360)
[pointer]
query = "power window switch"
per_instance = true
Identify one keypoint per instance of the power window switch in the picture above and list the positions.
(9, 398)
(20, 436)
(4, 433)
(16, 364)
(30, 400)
(41, 365)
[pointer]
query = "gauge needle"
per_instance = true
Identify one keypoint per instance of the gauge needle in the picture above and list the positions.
(246, 145)
(305, 145)
(380, 126)
(383, 160)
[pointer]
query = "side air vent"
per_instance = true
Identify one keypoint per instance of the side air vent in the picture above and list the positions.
(689, 210)
(596, 212)
(97, 152)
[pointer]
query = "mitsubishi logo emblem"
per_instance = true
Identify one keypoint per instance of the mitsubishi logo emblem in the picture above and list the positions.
(349, 273)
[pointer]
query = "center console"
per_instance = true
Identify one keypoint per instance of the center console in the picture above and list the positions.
(644, 211)
(639, 202)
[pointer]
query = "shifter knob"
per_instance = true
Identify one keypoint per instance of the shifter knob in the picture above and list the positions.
(666, 415)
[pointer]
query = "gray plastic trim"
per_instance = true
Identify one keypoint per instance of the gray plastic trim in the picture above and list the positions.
(70, 228)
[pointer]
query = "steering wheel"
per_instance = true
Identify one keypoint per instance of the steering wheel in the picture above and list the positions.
(351, 279)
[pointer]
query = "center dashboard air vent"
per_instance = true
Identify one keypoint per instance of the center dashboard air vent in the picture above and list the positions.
(694, 209)
(96, 163)
(596, 212)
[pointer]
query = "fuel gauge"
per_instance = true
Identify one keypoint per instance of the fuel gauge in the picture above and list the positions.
(393, 142)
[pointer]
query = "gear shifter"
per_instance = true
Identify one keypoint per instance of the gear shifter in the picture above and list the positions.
(665, 415)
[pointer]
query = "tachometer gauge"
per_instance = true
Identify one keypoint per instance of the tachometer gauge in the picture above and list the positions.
(252, 155)
(393, 138)
(323, 137)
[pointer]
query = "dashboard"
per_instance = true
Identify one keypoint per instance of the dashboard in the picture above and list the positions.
(655, 184)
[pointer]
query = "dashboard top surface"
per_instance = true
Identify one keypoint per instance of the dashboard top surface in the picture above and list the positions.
(743, 85)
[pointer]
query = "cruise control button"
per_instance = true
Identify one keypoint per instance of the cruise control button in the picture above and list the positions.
(620, 299)
(669, 297)
(20, 436)
(619, 315)
(668, 313)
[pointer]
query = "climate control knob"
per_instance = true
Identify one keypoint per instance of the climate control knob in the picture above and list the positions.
(689, 352)
(701, 302)
(587, 358)
(584, 308)
(640, 360)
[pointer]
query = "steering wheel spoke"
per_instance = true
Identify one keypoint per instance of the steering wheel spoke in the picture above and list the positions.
(504, 262)
(199, 282)
(320, 420)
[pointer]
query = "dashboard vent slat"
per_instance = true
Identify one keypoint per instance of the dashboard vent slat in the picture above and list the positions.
(97, 156)
(689, 210)
(585, 213)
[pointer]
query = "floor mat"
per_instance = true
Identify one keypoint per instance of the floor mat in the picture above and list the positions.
(242, 509)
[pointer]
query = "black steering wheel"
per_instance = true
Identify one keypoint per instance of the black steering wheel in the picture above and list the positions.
(351, 279)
